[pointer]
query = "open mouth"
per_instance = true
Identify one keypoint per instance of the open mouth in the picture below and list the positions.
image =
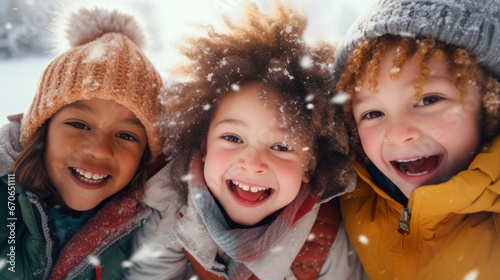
(249, 193)
(89, 177)
(418, 166)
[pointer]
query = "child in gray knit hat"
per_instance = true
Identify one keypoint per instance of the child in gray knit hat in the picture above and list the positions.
(422, 80)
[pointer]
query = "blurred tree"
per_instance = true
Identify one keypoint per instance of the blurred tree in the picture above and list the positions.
(23, 26)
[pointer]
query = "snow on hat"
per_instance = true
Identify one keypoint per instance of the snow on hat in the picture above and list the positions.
(473, 25)
(105, 60)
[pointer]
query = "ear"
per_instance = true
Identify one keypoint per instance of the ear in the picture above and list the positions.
(310, 171)
(203, 149)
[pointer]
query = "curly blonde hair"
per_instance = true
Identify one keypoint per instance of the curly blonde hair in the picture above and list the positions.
(366, 58)
(267, 49)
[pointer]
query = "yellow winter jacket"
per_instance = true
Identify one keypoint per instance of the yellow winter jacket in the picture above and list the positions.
(454, 227)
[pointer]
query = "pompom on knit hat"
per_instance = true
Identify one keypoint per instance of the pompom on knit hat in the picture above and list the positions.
(105, 60)
(473, 25)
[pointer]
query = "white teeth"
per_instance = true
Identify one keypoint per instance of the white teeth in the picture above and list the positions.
(410, 160)
(248, 188)
(416, 174)
(90, 176)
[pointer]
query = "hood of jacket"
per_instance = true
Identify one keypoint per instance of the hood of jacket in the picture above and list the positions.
(10, 146)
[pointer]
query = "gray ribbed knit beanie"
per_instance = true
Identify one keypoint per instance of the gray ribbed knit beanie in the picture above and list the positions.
(473, 25)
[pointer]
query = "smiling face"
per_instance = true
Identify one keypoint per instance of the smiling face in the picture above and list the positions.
(423, 140)
(93, 151)
(248, 167)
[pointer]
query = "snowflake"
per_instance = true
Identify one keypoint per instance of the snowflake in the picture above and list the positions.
(309, 97)
(209, 77)
(472, 275)
(187, 178)
(395, 70)
(363, 239)
(340, 98)
(306, 61)
(94, 260)
(96, 54)
(276, 249)
(235, 87)
(311, 237)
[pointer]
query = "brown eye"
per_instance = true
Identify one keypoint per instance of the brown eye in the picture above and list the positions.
(78, 125)
(126, 136)
(372, 115)
(428, 100)
(232, 138)
(281, 148)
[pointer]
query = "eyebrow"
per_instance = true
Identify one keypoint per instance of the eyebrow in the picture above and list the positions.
(88, 109)
(242, 124)
(356, 101)
(231, 121)
(81, 107)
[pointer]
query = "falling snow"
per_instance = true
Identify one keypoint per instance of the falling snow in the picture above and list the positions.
(309, 98)
(96, 54)
(187, 178)
(235, 87)
(306, 62)
(276, 249)
(472, 275)
(340, 98)
(311, 237)
(363, 239)
(406, 34)
(93, 260)
(395, 70)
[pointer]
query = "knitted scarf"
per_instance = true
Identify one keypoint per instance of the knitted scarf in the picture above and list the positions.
(247, 244)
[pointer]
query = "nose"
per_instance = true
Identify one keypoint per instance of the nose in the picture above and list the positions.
(99, 146)
(253, 161)
(401, 131)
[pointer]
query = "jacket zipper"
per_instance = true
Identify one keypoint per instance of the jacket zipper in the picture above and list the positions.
(404, 221)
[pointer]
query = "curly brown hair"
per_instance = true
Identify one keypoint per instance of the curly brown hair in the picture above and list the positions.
(365, 60)
(267, 49)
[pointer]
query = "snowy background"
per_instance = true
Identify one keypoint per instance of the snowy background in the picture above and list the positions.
(25, 48)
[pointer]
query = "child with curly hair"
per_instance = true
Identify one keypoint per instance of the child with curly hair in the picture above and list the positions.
(423, 81)
(259, 157)
(74, 193)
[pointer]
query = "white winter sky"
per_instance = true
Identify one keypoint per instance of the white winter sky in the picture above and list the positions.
(169, 21)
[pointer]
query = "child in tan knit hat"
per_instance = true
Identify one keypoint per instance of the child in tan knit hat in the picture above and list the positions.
(73, 197)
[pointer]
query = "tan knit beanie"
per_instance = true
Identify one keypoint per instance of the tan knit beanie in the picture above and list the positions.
(105, 61)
